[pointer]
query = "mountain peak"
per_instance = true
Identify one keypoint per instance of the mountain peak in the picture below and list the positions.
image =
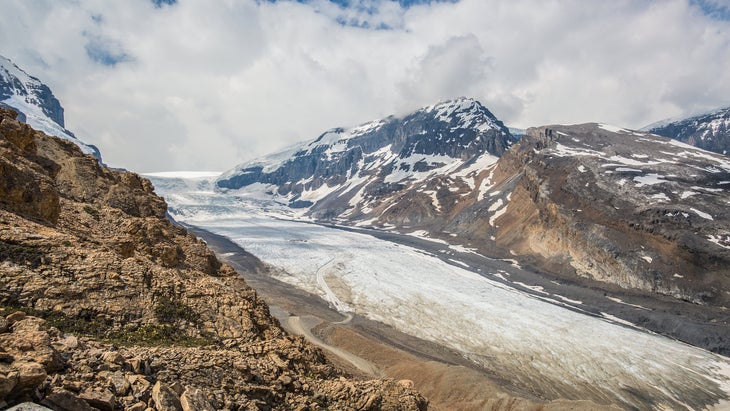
(35, 103)
(344, 164)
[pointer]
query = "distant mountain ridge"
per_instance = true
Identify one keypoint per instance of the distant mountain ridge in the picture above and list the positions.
(35, 104)
(709, 131)
(355, 171)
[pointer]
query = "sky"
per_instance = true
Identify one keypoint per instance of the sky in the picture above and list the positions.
(163, 85)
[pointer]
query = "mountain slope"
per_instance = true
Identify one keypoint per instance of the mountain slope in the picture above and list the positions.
(130, 311)
(617, 206)
(35, 103)
(709, 131)
(359, 172)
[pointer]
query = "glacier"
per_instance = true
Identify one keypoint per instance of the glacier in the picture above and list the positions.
(540, 346)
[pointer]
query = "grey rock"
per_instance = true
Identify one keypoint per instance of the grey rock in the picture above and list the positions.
(193, 399)
(165, 398)
(28, 406)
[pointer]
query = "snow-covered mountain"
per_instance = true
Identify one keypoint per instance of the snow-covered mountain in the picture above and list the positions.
(710, 131)
(35, 104)
(357, 173)
(585, 202)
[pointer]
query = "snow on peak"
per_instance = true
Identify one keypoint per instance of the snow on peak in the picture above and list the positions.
(36, 103)
(467, 111)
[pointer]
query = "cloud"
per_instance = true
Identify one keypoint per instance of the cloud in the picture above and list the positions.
(193, 84)
(455, 67)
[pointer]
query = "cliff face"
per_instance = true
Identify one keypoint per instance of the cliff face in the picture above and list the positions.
(621, 207)
(129, 311)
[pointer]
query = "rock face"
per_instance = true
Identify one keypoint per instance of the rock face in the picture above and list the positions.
(617, 206)
(36, 104)
(710, 131)
(353, 173)
(127, 311)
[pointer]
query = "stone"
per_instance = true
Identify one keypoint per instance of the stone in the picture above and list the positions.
(165, 398)
(112, 357)
(285, 379)
(177, 387)
(138, 406)
(405, 383)
(14, 318)
(28, 406)
(62, 400)
(140, 386)
(8, 381)
(3, 325)
(30, 375)
(193, 399)
(102, 399)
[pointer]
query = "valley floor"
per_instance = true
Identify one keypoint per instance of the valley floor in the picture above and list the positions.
(446, 317)
(371, 349)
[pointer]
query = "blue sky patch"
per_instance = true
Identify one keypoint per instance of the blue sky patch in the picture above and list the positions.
(105, 53)
(718, 10)
(160, 3)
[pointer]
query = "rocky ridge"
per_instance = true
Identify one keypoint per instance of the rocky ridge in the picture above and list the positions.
(107, 305)
(709, 131)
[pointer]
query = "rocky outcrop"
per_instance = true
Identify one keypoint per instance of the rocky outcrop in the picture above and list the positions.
(106, 305)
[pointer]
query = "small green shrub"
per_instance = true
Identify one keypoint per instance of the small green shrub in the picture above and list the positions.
(170, 311)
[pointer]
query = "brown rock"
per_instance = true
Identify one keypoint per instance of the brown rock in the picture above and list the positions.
(141, 388)
(62, 400)
(14, 318)
(8, 381)
(30, 375)
(165, 398)
(102, 399)
(3, 325)
(139, 406)
(112, 357)
(194, 400)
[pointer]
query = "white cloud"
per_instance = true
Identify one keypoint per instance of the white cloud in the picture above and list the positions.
(205, 85)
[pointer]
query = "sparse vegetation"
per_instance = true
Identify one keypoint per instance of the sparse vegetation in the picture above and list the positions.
(88, 322)
(94, 213)
(171, 311)
(21, 253)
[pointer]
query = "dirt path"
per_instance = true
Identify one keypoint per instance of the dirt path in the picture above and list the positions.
(303, 326)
